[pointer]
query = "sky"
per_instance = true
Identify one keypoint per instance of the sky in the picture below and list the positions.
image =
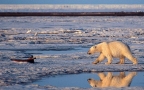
(71, 1)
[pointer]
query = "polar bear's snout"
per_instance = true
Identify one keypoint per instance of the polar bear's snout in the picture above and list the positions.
(89, 52)
(89, 79)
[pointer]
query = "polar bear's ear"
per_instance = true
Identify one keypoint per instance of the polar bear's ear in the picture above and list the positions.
(95, 46)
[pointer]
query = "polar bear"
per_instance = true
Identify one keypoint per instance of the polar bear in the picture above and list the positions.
(110, 80)
(112, 49)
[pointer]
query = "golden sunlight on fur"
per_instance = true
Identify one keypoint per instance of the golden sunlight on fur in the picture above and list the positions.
(110, 80)
(112, 49)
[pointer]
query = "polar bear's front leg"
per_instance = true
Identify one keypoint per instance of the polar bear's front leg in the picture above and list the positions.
(100, 58)
(109, 58)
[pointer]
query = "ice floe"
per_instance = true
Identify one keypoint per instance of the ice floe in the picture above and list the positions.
(60, 45)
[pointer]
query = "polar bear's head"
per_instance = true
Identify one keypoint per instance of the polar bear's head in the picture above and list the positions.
(92, 82)
(94, 49)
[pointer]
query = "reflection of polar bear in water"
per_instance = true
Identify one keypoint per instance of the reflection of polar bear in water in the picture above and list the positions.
(112, 81)
(112, 49)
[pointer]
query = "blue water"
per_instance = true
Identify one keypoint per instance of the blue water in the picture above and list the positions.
(56, 51)
(71, 1)
(80, 80)
(71, 80)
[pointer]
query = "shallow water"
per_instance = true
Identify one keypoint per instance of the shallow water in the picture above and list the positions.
(80, 80)
(57, 51)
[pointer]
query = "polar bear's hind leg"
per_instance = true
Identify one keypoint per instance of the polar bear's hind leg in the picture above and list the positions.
(122, 60)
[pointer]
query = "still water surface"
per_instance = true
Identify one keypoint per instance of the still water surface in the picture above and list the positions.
(80, 80)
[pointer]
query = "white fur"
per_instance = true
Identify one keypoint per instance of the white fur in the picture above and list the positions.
(112, 49)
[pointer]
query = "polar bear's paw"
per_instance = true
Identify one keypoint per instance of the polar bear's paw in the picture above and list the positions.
(95, 62)
(107, 63)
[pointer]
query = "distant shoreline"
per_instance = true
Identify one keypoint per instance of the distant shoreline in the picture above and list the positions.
(6, 14)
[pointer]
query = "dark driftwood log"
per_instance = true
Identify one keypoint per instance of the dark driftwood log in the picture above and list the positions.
(30, 60)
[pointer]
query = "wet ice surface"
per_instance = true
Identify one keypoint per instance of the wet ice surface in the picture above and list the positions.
(60, 45)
